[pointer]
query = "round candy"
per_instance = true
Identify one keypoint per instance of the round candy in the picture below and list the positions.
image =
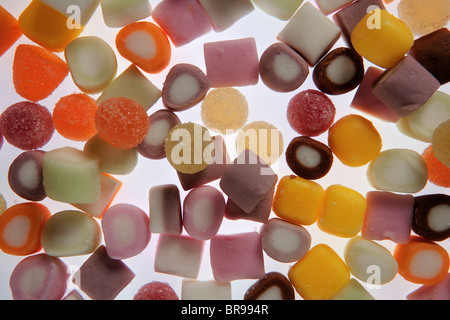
(441, 142)
(438, 173)
(431, 217)
(156, 291)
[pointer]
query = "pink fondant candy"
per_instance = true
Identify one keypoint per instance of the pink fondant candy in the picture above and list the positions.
(165, 209)
(439, 291)
(156, 290)
(388, 216)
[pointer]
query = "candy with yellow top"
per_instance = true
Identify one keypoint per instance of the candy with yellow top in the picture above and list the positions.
(382, 38)
(320, 274)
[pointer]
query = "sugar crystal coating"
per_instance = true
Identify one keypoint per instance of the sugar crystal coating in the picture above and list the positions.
(156, 290)
(438, 173)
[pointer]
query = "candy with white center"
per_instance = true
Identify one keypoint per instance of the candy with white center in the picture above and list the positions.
(225, 13)
(119, 13)
(431, 218)
(165, 209)
(205, 290)
(273, 286)
(281, 9)
(330, 6)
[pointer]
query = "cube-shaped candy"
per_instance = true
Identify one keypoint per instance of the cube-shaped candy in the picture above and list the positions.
(183, 21)
(71, 175)
(178, 255)
(119, 13)
(237, 256)
(330, 6)
(310, 33)
(232, 63)
(225, 13)
(165, 209)
(281, 9)
(205, 290)
(10, 30)
(353, 290)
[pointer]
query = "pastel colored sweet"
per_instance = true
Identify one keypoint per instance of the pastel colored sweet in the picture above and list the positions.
(438, 173)
(431, 218)
(353, 290)
(225, 13)
(273, 286)
(119, 13)
(284, 241)
(232, 63)
(49, 276)
(438, 291)
(440, 141)
(205, 290)
(11, 28)
(165, 209)
(126, 230)
(156, 290)
(310, 33)
(388, 216)
(330, 6)
(281, 9)
(236, 256)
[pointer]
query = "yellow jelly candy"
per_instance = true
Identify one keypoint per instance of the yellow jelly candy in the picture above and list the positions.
(382, 38)
(342, 212)
(298, 200)
(320, 274)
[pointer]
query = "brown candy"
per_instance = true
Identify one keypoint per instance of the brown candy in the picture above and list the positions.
(431, 217)
(263, 288)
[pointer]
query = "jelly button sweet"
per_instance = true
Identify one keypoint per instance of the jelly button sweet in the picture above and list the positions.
(273, 286)
(156, 290)
(119, 13)
(165, 209)
(353, 290)
(431, 218)
(11, 32)
(440, 141)
(438, 173)
(205, 290)
(225, 13)
(281, 9)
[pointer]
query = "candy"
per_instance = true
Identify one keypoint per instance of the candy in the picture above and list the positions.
(37, 72)
(25, 176)
(247, 180)
(339, 72)
(225, 13)
(119, 13)
(203, 211)
(11, 30)
(439, 291)
(70, 233)
(126, 231)
(298, 200)
(343, 211)
(404, 97)
(438, 173)
(205, 290)
(27, 125)
(101, 277)
(281, 9)
(311, 113)
(121, 122)
(382, 38)
(422, 261)
(354, 140)
(284, 241)
(92, 63)
(132, 84)
(369, 261)
(237, 256)
(182, 21)
(178, 255)
(431, 218)
(388, 216)
(146, 45)
(320, 274)
(353, 290)
(3, 204)
(273, 286)
(73, 117)
(112, 160)
(224, 110)
(330, 6)
(309, 158)
(185, 86)
(39, 277)
(310, 33)
(156, 290)
(440, 141)
(282, 69)
(161, 122)
(165, 209)
(232, 63)
(71, 175)
(398, 170)
(21, 227)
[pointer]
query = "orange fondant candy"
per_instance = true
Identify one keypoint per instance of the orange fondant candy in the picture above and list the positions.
(10, 30)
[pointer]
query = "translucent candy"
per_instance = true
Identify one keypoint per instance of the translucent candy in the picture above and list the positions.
(440, 142)
(156, 290)
(11, 30)
(438, 173)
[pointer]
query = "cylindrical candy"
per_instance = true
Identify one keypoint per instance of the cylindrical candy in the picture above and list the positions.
(273, 286)
(431, 218)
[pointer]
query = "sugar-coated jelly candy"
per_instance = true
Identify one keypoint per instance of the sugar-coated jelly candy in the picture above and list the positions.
(284, 241)
(205, 290)
(320, 274)
(27, 125)
(48, 274)
(438, 291)
(101, 277)
(310, 33)
(237, 256)
(382, 38)
(354, 140)
(21, 227)
(11, 30)
(398, 170)
(353, 290)
(282, 69)
(281, 9)
(431, 218)
(203, 211)
(185, 86)
(25, 175)
(438, 173)
(70, 233)
(369, 261)
(311, 113)
(119, 13)
(165, 209)
(156, 290)
(330, 6)
(309, 158)
(74, 117)
(146, 45)
(422, 261)
(440, 141)
(273, 286)
(92, 63)
(225, 13)
(126, 230)
(71, 175)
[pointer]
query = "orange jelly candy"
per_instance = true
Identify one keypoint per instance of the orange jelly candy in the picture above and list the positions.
(438, 173)
(10, 30)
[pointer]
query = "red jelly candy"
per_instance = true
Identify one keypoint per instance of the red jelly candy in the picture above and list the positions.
(311, 113)
(27, 125)
(156, 291)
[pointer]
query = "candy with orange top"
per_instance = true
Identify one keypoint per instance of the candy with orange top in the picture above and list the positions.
(21, 226)
(438, 173)
(10, 30)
